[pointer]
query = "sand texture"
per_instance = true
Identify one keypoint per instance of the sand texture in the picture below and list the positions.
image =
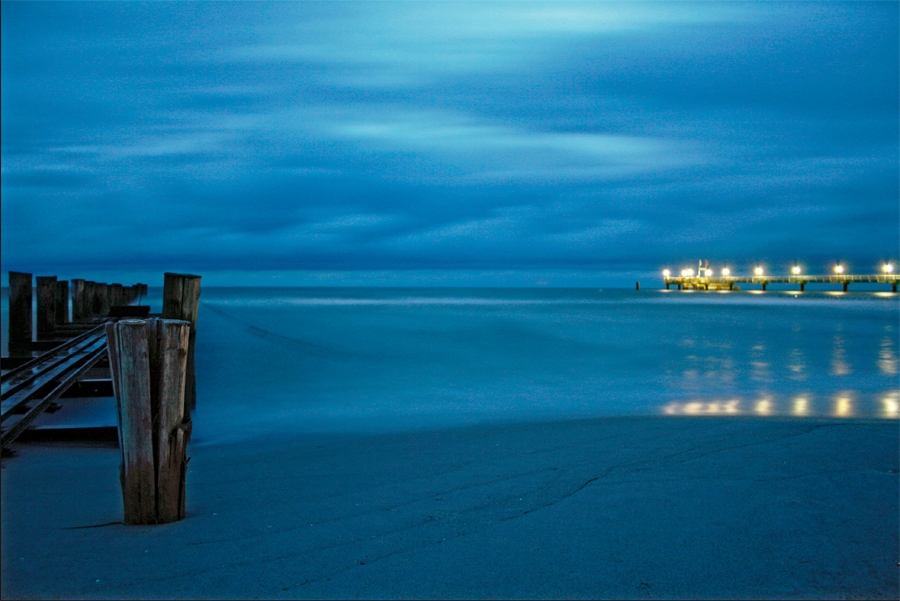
(610, 508)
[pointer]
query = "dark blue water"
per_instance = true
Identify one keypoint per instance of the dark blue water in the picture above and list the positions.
(370, 358)
(307, 359)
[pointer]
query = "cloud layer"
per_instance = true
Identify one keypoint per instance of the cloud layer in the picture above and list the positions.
(479, 136)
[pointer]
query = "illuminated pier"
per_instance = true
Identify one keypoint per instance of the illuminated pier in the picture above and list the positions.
(707, 280)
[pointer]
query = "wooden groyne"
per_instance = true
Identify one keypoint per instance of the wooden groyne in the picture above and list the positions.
(54, 352)
(149, 369)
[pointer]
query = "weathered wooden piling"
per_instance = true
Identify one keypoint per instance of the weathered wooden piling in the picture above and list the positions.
(90, 289)
(77, 300)
(101, 299)
(62, 302)
(148, 360)
(181, 300)
(20, 307)
(116, 296)
(46, 306)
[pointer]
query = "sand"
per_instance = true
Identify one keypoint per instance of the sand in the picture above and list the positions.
(644, 508)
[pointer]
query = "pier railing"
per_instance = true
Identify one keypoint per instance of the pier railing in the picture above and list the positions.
(729, 282)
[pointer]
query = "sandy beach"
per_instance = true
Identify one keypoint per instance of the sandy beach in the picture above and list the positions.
(605, 508)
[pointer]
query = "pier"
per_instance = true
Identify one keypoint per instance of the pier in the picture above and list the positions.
(727, 282)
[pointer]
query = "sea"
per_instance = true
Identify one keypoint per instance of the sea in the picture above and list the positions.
(275, 361)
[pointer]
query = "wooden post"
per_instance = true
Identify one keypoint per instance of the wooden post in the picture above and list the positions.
(62, 302)
(148, 360)
(101, 299)
(115, 295)
(77, 300)
(90, 289)
(20, 307)
(638, 287)
(46, 306)
(181, 300)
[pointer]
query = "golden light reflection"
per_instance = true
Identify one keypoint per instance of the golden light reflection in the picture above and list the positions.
(884, 405)
(887, 359)
(763, 407)
(839, 364)
(890, 406)
(800, 407)
(797, 365)
(700, 408)
(843, 407)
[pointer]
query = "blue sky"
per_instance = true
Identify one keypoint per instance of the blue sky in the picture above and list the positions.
(447, 143)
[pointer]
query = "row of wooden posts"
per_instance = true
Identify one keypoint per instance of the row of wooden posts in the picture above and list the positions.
(152, 369)
(89, 300)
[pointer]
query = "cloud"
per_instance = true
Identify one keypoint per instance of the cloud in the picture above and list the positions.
(446, 135)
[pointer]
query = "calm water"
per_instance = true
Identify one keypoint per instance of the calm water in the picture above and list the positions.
(277, 359)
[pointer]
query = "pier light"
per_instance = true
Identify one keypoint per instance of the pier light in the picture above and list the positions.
(726, 271)
(666, 272)
(887, 268)
(839, 269)
(688, 272)
(709, 273)
(795, 270)
(758, 271)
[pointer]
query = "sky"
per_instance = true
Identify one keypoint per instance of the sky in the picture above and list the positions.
(447, 143)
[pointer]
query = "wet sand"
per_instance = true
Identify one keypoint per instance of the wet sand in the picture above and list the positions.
(666, 507)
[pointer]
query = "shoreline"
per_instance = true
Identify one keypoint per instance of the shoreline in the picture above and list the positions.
(629, 507)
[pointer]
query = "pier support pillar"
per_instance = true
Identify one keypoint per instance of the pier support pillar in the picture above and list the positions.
(147, 359)
(764, 284)
(895, 287)
(46, 306)
(846, 285)
(20, 307)
(802, 287)
(181, 300)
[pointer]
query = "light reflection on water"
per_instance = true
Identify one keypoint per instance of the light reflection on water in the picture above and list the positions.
(839, 363)
(887, 357)
(843, 404)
